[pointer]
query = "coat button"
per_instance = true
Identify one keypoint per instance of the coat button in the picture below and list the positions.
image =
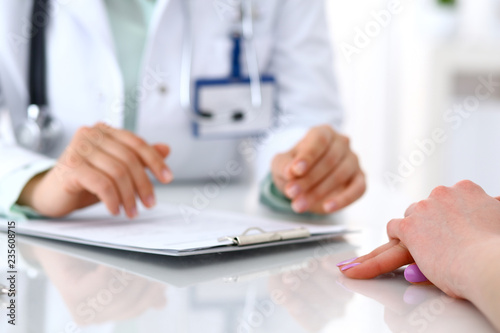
(163, 89)
(101, 96)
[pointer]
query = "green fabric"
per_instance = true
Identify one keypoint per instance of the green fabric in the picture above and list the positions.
(129, 21)
(274, 199)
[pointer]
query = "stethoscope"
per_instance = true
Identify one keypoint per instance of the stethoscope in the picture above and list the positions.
(41, 131)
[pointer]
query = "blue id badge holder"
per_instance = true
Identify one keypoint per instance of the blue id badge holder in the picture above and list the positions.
(226, 108)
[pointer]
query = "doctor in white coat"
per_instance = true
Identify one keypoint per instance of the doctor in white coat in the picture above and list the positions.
(120, 63)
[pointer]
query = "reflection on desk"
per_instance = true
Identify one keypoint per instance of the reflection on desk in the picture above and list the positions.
(243, 290)
(418, 308)
(67, 288)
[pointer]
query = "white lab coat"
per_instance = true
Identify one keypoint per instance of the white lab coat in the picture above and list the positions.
(85, 83)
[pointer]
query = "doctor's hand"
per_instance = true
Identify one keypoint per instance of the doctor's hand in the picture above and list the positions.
(100, 164)
(320, 174)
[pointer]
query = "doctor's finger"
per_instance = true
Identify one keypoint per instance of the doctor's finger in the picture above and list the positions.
(141, 181)
(279, 183)
(280, 166)
(308, 151)
(318, 174)
(353, 191)
(335, 181)
(162, 149)
(121, 177)
(99, 184)
(148, 155)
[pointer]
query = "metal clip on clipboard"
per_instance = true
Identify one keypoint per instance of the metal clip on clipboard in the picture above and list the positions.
(266, 237)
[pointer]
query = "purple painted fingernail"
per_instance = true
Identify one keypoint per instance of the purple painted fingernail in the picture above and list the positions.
(414, 275)
(345, 268)
(348, 261)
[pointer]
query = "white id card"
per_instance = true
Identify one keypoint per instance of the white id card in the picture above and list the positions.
(224, 108)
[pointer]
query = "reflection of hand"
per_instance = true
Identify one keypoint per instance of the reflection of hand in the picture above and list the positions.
(416, 309)
(100, 164)
(453, 236)
(310, 294)
(94, 293)
(320, 174)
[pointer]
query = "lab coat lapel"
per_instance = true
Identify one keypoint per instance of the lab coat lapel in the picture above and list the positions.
(158, 14)
(160, 9)
(92, 15)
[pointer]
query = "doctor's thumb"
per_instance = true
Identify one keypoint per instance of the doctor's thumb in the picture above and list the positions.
(162, 149)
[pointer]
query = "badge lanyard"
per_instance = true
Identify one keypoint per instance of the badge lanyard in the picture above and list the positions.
(217, 120)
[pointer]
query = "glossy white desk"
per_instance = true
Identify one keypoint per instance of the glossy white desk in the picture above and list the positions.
(69, 288)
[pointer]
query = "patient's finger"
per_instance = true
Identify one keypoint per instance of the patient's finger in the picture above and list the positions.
(370, 255)
(385, 262)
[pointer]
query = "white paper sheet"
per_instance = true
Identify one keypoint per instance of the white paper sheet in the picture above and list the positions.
(161, 230)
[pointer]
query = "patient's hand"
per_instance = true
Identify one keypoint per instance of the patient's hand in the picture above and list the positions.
(454, 238)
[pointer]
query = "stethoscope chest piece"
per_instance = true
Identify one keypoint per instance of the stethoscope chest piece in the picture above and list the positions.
(39, 132)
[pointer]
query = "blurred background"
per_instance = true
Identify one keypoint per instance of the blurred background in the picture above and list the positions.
(420, 83)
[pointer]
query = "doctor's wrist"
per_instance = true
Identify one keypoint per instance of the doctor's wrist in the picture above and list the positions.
(27, 197)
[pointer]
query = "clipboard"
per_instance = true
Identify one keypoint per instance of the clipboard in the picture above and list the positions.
(231, 268)
(166, 231)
